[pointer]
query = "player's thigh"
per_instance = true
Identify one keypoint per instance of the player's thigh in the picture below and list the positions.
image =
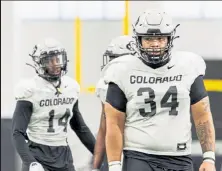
(132, 164)
(70, 168)
(52, 157)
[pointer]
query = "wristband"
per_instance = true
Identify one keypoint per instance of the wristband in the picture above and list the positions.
(209, 155)
(115, 166)
(114, 163)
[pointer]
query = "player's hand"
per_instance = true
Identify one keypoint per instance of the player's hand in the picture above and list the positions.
(35, 166)
(207, 166)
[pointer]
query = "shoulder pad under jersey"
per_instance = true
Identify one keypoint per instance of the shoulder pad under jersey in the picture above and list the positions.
(200, 65)
(101, 90)
(71, 83)
(116, 74)
(191, 62)
(24, 90)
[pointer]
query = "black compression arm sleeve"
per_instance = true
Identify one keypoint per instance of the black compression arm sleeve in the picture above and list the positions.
(116, 97)
(20, 121)
(197, 91)
(81, 129)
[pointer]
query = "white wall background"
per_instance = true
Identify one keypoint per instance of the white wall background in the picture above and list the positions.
(7, 35)
(18, 38)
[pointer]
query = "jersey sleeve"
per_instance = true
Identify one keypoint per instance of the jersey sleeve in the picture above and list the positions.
(116, 97)
(197, 90)
(115, 74)
(199, 66)
(77, 87)
(101, 90)
(24, 90)
(72, 84)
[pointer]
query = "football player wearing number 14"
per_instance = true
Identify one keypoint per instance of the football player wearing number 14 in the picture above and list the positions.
(46, 104)
(148, 104)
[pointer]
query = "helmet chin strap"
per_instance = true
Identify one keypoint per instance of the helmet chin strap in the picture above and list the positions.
(157, 65)
(57, 87)
(56, 83)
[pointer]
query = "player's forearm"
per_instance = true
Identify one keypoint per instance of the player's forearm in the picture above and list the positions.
(115, 108)
(99, 150)
(204, 125)
(22, 148)
(206, 133)
(20, 120)
(78, 125)
(87, 138)
(114, 142)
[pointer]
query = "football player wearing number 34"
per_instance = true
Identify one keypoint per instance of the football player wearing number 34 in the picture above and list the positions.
(148, 103)
(46, 104)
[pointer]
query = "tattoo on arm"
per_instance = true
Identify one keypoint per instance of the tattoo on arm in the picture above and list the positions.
(206, 135)
(206, 105)
(205, 128)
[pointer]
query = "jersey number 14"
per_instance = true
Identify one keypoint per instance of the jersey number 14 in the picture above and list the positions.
(61, 122)
(172, 91)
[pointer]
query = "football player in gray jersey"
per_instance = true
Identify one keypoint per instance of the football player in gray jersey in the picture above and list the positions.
(149, 102)
(46, 104)
(114, 54)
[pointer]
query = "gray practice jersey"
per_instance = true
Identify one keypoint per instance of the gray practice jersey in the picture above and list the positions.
(158, 107)
(101, 87)
(51, 112)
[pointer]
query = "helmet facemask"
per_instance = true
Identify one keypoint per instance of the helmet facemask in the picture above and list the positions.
(50, 60)
(107, 57)
(154, 24)
(155, 54)
(53, 64)
(119, 46)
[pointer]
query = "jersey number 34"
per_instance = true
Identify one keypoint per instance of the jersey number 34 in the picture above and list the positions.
(173, 104)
